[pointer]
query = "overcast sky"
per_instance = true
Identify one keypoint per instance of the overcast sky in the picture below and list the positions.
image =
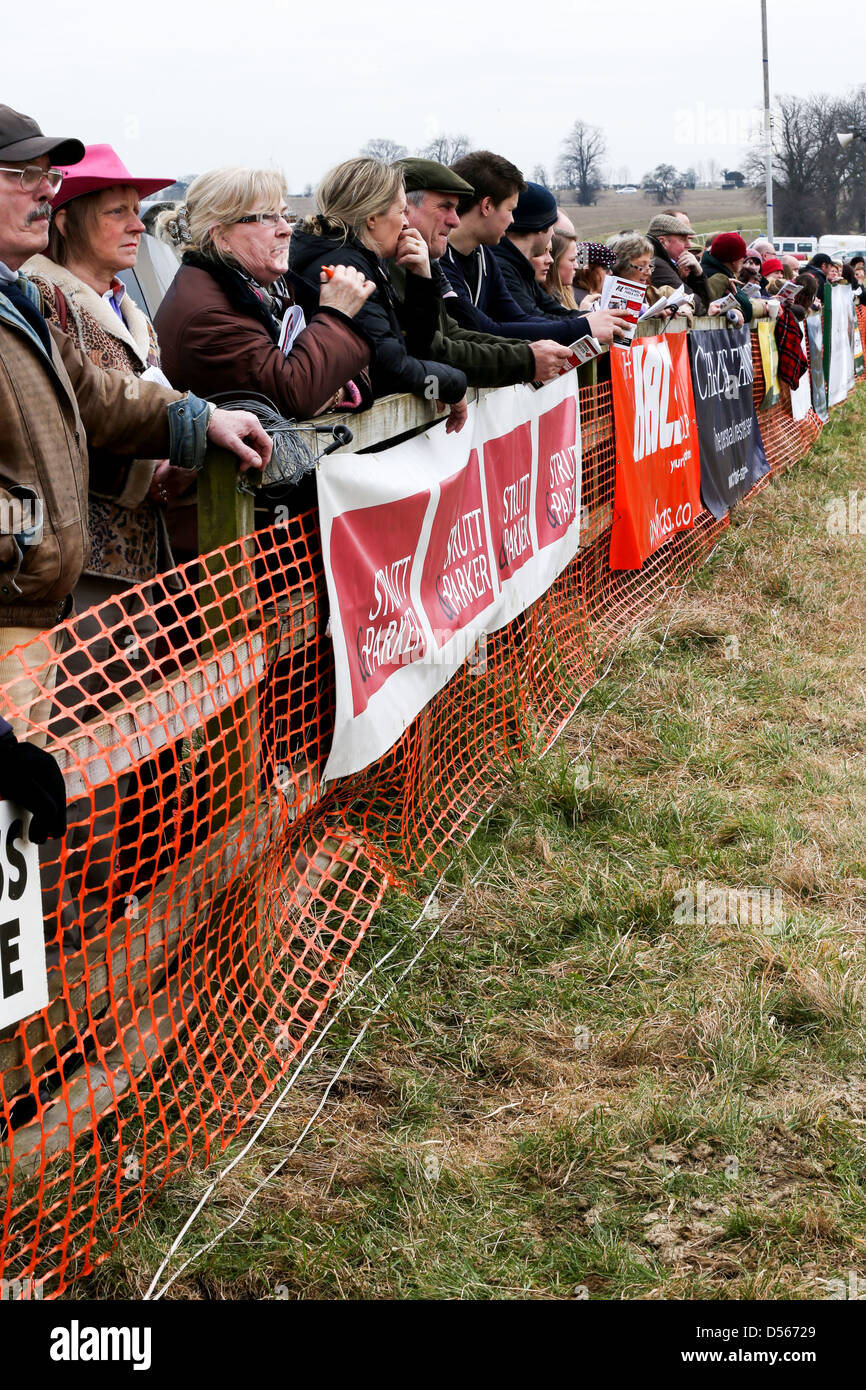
(180, 87)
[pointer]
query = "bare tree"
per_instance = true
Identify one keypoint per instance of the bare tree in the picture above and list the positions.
(540, 175)
(579, 165)
(445, 148)
(818, 186)
(662, 183)
(385, 151)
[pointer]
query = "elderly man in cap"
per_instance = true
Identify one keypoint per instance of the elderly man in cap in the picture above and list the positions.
(432, 191)
(674, 263)
(54, 402)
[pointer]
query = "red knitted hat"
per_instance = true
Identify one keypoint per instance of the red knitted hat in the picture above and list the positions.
(771, 265)
(728, 247)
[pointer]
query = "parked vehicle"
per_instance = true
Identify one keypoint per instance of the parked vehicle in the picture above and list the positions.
(803, 247)
(834, 244)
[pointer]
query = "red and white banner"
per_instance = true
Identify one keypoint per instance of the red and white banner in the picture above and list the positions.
(435, 542)
(658, 472)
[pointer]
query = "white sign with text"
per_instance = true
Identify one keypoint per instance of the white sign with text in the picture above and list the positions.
(23, 977)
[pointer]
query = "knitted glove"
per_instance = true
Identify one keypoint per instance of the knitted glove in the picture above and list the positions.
(31, 778)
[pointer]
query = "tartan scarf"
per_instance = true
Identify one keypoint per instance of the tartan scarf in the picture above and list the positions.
(792, 359)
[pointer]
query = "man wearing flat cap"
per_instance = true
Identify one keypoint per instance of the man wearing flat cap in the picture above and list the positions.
(432, 191)
(674, 262)
(54, 402)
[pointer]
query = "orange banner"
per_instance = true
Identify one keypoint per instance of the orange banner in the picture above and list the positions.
(658, 475)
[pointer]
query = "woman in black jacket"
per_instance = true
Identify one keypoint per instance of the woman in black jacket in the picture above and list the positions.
(362, 223)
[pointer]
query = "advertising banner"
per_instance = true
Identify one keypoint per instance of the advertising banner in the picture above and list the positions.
(801, 395)
(657, 491)
(731, 450)
(814, 332)
(838, 312)
(769, 361)
(23, 975)
(432, 544)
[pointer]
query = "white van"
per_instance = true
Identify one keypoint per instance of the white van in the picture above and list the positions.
(802, 246)
(835, 245)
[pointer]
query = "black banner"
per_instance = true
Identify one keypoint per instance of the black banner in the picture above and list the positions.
(731, 448)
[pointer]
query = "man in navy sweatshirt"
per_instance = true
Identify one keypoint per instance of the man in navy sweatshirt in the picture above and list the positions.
(483, 300)
(529, 235)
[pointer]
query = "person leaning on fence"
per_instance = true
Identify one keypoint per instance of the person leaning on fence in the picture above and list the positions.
(432, 191)
(94, 235)
(818, 267)
(633, 254)
(221, 316)
(851, 280)
(722, 266)
(362, 223)
(541, 265)
(808, 297)
(674, 262)
(483, 300)
(55, 402)
(593, 262)
(559, 280)
(530, 232)
(772, 276)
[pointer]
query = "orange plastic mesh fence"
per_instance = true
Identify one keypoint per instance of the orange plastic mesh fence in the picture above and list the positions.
(207, 898)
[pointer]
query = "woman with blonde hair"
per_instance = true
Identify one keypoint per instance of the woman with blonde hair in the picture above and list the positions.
(362, 224)
(560, 275)
(228, 322)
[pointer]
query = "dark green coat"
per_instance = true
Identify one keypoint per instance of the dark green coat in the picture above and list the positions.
(485, 359)
(719, 284)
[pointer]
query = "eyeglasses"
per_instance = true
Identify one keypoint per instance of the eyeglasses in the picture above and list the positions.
(641, 269)
(31, 176)
(268, 219)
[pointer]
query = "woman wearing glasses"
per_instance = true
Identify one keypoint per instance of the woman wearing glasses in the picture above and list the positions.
(223, 323)
(633, 260)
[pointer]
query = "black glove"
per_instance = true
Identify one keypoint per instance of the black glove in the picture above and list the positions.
(31, 778)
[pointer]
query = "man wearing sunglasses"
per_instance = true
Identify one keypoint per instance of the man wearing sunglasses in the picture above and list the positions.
(53, 402)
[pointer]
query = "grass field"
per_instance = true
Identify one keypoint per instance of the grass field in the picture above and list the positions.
(575, 1093)
(710, 209)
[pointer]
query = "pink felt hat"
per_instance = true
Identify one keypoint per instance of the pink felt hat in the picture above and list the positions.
(101, 168)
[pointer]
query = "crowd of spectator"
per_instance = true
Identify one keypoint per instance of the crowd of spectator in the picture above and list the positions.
(410, 277)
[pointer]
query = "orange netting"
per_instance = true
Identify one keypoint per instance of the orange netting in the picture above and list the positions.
(208, 896)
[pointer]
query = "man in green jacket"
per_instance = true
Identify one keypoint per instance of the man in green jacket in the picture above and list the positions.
(432, 191)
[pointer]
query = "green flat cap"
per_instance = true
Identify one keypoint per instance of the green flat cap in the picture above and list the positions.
(421, 174)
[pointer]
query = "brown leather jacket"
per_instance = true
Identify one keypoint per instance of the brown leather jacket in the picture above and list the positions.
(50, 411)
(214, 337)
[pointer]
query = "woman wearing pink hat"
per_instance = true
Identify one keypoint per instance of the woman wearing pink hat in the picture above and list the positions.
(95, 233)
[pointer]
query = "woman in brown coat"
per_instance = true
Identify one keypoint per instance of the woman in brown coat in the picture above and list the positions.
(225, 320)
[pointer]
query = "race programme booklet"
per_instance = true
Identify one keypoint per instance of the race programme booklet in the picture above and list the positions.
(624, 297)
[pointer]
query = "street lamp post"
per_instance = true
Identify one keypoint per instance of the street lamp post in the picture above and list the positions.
(846, 138)
(768, 124)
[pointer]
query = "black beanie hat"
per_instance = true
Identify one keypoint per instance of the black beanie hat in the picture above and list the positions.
(536, 209)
